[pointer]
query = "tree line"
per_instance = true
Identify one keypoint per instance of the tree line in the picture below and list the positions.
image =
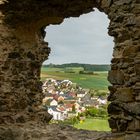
(87, 67)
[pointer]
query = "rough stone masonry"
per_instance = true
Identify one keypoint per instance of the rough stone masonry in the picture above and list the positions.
(23, 50)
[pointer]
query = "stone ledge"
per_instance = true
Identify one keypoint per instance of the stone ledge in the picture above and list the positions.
(58, 132)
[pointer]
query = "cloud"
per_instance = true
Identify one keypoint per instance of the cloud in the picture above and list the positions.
(83, 40)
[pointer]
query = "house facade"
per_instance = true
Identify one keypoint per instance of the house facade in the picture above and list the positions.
(57, 115)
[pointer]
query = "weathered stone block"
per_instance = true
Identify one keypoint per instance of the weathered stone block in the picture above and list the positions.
(113, 124)
(133, 108)
(122, 125)
(106, 3)
(130, 51)
(122, 2)
(136, 8)
(31, 56)
(137, 87)
(138, 97)
(44, 117)
(124, 95)
(134, 125)
(114, 109)
(133, 136)
(14, 55)
(130, 70)
(116, 77)
(137, 69)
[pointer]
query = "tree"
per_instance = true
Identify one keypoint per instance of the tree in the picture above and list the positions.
(102, 112)
(93, 112)
(73, 108)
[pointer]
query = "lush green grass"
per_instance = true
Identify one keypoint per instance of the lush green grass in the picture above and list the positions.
(46, 69)
(94, 124)
(98, 81)
(73, 69)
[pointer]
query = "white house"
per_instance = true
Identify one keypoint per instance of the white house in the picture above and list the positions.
(61, 93)
(53, 103)
(67, 82)
(81, 94)
(102, 101)
(57, 115)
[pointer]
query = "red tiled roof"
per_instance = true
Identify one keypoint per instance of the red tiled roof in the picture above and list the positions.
(61, 108)
(69, 105)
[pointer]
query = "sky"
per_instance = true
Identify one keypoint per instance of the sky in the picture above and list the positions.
(80, 40)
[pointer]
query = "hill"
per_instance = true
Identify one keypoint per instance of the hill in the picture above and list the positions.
(97, 81)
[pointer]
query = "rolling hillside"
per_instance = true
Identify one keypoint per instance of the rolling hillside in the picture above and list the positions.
(97, 81)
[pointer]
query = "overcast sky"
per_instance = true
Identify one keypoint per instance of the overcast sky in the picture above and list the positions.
(80, 40)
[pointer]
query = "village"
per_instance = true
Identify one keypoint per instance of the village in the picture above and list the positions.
(65, 99)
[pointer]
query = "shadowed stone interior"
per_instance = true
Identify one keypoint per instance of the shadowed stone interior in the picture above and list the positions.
(23, 50)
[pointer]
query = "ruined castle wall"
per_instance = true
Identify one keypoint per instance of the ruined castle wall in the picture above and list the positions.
(22, 51)
(124, 75)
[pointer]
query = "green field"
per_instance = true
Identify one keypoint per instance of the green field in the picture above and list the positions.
(97, 81)
(94, 124)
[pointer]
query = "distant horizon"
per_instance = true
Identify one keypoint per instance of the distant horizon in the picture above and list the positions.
(73, 63)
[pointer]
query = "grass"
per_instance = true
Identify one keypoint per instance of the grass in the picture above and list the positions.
(98, 81)
(73, 69)
(94, 124)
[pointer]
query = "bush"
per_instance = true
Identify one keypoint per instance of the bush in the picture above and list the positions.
(86, 72)
(102, 113)
(70, 121)
(93, 112)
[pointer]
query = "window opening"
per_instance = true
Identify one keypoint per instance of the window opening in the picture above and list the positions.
(75, 75)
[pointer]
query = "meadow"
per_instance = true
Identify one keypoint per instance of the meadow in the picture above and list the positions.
(94, 124)
(97, 81)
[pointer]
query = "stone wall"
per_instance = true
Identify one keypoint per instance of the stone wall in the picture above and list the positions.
(124, 75)
(22, 51)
